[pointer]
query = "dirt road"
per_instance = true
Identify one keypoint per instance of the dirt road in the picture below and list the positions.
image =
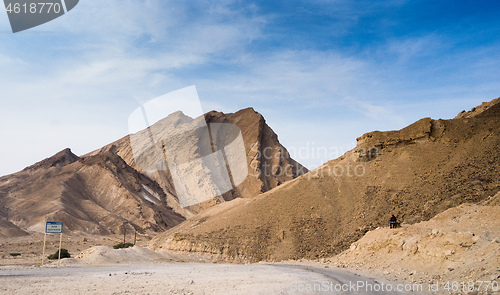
(187, 278)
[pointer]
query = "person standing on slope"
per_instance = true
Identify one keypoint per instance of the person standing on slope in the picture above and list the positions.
(393, 221)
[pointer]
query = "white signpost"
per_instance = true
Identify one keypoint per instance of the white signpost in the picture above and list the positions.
(52, 227)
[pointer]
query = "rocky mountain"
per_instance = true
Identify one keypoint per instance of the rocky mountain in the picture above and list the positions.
(99, 192)
(269, 163)
(414, 173)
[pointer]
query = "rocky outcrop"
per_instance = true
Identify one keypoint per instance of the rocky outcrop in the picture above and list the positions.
(61, 159)
(461, 244)
(486, 109)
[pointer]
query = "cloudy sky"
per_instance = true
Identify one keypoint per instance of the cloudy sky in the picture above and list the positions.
(321, 72)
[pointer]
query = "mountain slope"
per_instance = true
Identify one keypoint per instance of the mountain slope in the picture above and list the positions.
(414, 173)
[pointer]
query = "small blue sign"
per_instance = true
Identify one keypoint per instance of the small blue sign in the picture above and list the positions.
(53, 227)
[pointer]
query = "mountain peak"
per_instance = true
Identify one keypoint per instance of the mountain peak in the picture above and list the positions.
(486, 109)
(61, 159)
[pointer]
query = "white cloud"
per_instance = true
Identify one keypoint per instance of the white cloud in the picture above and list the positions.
(306, 80)
(410, 48)
(125, 44)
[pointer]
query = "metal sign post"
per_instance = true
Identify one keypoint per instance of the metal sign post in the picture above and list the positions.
(43, 252)
(52, 227)
(60, 244)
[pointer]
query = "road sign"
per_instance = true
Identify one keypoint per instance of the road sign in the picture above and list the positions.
(53, 227)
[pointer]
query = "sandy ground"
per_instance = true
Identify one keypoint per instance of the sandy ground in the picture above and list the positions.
(183, 278)
(30, 247)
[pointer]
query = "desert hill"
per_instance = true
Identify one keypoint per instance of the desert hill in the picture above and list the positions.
(95, 195)
(99, 192)
(414, 173)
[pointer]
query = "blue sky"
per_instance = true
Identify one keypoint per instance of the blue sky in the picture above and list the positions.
(321, 72)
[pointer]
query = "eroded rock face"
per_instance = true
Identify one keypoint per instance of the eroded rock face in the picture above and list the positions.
(420, 130)
(269, 163)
